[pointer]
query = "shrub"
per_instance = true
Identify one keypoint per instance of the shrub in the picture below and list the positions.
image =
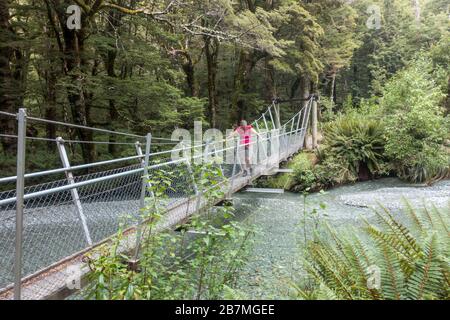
(415, 126)
(303, 175)
(353, 143)
(412, 263)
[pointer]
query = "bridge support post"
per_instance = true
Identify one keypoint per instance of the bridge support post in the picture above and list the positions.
(144, 163)
(191, 173)
(265, 122)
(74, 191)
(272, 120)
(314, 123)
(258, 155)
(297, 132)
(218, 161)
(20, 192)
(291, 133)
(305, 121)
(233, 172)
(276, 108)
(145, 185)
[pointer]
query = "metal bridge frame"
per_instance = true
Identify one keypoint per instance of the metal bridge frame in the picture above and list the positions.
(290, 135)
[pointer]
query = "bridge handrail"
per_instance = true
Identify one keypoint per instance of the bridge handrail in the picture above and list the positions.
(121, 174)
(106, 162)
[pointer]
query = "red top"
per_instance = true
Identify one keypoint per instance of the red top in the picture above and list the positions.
(245, 133)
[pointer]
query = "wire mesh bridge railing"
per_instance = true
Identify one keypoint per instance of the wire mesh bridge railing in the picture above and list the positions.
(45, 227)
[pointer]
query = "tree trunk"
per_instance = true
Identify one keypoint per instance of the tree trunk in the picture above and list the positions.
(242, 84)
(113, 118)
(78, 97)
(109, 60)
(189, 70)
(333, 88)
(75, 66)
(211, 53)
(50, 76)
(8, 92)
(417, 11)
(269, 84)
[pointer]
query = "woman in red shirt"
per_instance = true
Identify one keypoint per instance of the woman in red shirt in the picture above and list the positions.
(245, 132)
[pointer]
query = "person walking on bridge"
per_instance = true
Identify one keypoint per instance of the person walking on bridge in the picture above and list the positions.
(245, 132)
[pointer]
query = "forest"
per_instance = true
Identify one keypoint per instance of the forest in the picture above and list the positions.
(153, 66)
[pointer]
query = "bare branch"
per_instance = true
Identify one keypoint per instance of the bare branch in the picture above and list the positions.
(83, 6)
(145, 11)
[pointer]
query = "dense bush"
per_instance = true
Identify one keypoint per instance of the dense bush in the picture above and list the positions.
(303, 175)
(355, 142)
(415, 126)
(387, 261)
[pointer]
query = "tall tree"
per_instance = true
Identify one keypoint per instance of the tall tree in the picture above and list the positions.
(12, 69)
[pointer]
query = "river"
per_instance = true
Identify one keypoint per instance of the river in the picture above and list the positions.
(274, 260)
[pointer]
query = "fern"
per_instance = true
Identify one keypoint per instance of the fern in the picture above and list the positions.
(326, 293)
(414, 262)
(440, 220)
(391, 277)
(427, 279)
(413, 216)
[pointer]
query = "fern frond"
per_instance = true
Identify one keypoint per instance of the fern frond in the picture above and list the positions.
(392, 280)
(401, 234)
(441, 221)
(391, 241)
(303, 293)
(330, 273)
(397, 227)
(413, 265)
(359, 267)
(326, 293)
(413, 215)
(429, 217)
(427, 279)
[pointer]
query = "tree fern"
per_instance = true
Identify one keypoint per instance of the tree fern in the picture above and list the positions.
(326, 293)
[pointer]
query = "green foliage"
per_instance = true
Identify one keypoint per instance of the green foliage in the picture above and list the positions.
(301, 41)
(440, 56)
(304, 176)
(353, 147)
(327, 113)
(354, 141)
(413, 261)
(415, 126)
(201, 261)
(140, 73)
(385, 51)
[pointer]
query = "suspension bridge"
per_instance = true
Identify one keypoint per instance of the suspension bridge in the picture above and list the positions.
(47, 228)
